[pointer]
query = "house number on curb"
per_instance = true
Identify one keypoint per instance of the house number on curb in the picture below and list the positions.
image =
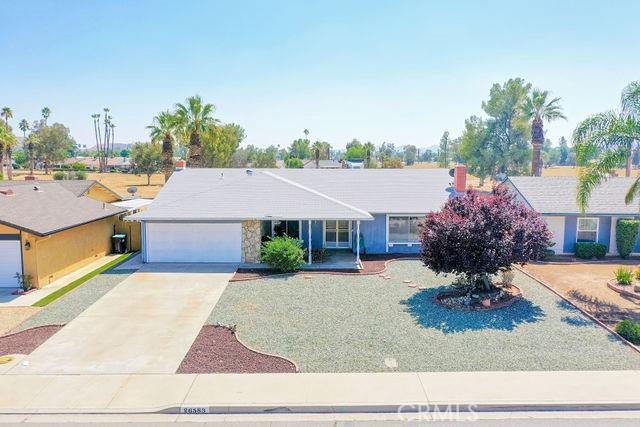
(194, 410)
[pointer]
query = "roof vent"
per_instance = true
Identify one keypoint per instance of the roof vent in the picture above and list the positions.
(36, 188)
(249, 172)
(6, 191)
(221, 175)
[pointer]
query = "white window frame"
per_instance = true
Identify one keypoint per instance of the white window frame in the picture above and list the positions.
(409, 243)
(324, 235)
(588, 231)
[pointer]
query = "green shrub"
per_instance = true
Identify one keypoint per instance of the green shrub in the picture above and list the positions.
(549, 253)
(293, 163)
(589, 250)
(81, 175)
(624, 276)
(59, 176)
(283, 253)
(630, 330)
(77, 166)
(626, 236)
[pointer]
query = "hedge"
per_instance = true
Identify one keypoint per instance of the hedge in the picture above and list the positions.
(630, 330)
(589, 250)
(626, 236)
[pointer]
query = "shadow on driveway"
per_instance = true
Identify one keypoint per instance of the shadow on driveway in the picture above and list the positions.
(431, 315)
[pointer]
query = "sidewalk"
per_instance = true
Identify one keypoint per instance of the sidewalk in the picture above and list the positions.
(318, 393)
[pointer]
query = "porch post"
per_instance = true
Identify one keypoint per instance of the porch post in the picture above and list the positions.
(358, 242)
(309, 234)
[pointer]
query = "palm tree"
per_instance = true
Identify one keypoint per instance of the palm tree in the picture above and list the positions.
(538, 109)
(32, 140)
(162, 129)
(24, 127)
(611, 137)
(6, 140)
(46, 112)
(194, 118)
(7, 113)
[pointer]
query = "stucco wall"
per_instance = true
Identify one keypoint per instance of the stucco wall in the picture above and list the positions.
(99, 193)
(251, 240)
(571, 230)
(53, 256)
(133, 231)
(8, 230)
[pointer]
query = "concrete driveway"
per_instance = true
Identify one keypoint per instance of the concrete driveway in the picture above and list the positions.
(146, 324)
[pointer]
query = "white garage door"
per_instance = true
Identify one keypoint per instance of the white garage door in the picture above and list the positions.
(193, 242)
(10, 261)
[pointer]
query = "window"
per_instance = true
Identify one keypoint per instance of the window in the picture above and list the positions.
(404, 229)
(587, 230)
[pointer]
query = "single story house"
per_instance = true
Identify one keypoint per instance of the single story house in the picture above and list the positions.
(48, 229)
(555, 199)
(223, 215)
(323, 164)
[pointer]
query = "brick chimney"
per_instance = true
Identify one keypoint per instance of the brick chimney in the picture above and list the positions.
(460, 178)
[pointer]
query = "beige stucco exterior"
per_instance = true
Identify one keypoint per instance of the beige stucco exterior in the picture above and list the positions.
(100, 193)
(50, 257)
(251, 241)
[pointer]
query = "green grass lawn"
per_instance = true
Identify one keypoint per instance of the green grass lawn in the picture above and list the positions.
(333, 323)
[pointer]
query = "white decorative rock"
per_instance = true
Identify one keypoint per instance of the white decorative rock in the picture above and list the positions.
(413, 285)
(406, 281)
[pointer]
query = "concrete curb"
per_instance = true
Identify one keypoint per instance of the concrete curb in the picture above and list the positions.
(404, 408)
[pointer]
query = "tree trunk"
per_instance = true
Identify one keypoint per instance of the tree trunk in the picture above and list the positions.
(537, 140)
(1, 158)
(148, 179)
(627, 169)
(9, 164)
(195, 150)
(167, 157)
(30, 146)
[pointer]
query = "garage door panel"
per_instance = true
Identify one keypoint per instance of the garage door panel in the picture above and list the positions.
(193, 242)
(10, 260)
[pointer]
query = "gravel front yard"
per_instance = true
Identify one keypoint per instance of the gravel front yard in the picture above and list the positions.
(69, 306)
(585, 284)
(330, 323)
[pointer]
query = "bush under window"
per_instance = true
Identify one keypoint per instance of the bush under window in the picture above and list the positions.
(626, 236)
(58, 176)
(283, 253)
(590, 250)
(630, 330)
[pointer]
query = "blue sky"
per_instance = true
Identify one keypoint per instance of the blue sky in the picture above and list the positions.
(396, 71)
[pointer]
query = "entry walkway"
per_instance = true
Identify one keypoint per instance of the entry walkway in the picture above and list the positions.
(357, 392)
(146, 324)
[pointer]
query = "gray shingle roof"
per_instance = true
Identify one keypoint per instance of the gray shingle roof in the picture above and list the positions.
(80, 187)
(233, 194)
(51, 209)
(557, 195)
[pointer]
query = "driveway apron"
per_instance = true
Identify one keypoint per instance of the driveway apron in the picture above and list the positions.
(146, 324)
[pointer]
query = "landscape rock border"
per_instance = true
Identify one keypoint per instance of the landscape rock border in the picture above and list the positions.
(613, 285)
(515, 297)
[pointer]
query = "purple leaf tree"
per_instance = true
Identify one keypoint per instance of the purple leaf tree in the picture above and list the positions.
(477, 235)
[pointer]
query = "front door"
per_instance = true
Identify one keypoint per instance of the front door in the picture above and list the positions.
(337, 234)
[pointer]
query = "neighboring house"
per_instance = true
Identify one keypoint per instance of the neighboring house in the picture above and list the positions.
(92, 188)
(92, 163)
(555, 199)
(49, 229)
(322, 164)
(223, 215)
